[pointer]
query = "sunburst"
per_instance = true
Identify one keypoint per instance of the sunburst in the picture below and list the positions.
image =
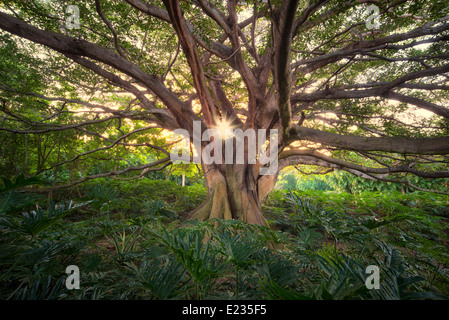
(225, 128)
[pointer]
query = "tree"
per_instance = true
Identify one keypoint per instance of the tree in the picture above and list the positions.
(342, 85)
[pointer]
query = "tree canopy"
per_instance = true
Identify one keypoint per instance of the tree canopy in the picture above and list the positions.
(344, 92)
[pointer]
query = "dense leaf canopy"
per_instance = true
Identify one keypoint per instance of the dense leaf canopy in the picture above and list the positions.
(344, 94)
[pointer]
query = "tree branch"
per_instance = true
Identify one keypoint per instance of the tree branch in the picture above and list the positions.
(165, 162)
(438, 145)
(283, 28)
(75, 49)
(109, 25)
(188, 44)
(339, 164)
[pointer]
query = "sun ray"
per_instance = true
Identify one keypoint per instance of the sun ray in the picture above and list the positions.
(225, 127)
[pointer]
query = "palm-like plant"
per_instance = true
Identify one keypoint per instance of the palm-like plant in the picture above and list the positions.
(40, 289)
(36, 221)
(197, 258)
(124, 244)
(238, 249)
(396, 284)
(161, 280)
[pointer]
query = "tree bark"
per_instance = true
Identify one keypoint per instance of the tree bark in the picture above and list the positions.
(235, 192)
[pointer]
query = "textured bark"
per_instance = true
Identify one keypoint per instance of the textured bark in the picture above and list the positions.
(235, 192)
(436, 145)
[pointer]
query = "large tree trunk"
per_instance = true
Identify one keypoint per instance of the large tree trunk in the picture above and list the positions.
(235, 192)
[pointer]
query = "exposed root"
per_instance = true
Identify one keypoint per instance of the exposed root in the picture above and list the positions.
(217, 206)
(234, 194)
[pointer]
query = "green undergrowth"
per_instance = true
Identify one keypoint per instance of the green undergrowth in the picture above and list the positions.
(130, 240)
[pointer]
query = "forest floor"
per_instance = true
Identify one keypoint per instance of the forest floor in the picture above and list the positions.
(130, 241)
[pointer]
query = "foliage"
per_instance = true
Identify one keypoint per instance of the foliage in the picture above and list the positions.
(317, 247)
(198, 259)
(161, 280)
(36, 221)
(342, 181)
(124, 244)
(20, 182)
